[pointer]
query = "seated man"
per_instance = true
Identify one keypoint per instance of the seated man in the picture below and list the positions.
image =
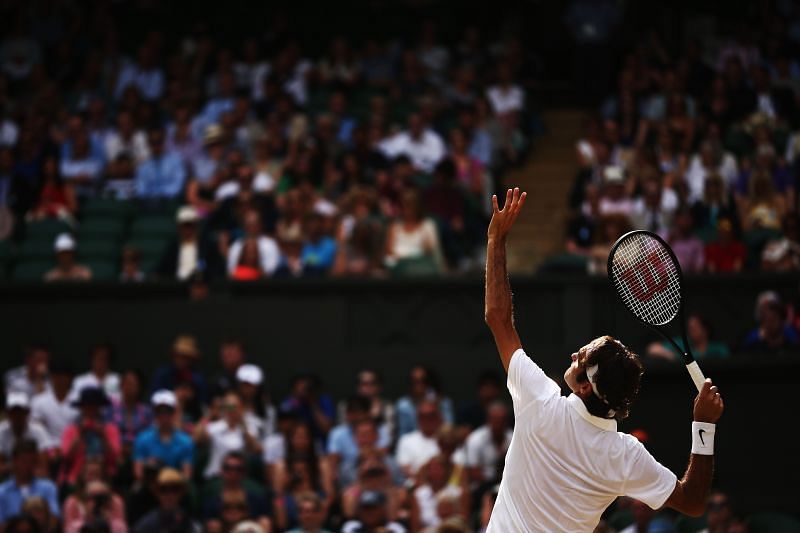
(163, 440)
(234, 481)
(372, 515)
(23, 484)
(19, 426)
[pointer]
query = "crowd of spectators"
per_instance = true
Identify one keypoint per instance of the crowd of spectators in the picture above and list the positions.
(358, 160)
(698, 143)
(108, 449)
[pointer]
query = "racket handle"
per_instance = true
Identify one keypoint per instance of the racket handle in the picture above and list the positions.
(697, 375)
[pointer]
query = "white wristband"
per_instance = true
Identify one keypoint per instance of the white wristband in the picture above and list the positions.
(703, 438)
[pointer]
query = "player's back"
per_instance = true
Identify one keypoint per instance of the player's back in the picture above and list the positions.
(565, 466)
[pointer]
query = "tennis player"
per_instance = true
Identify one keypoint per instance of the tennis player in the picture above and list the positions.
(566, 462)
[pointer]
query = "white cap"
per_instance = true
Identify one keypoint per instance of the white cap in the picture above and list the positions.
(613, 174)
(64, 243)
(17, 399)
(164, 397)
(250, 374)
(187, 214)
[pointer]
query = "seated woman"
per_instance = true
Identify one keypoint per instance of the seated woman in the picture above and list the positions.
(300, 443)
(92, 500)
(56, 199)
(374, 474)
(413, 236)
(435, 485)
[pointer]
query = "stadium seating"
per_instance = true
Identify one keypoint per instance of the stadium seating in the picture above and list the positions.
(768, 522)
(31, 270)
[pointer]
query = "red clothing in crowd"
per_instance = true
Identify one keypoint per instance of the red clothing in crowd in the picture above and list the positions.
(725, 257)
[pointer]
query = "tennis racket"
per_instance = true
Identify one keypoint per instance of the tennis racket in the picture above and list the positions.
(647, 277)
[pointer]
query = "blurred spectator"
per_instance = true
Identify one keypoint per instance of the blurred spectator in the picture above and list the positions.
(18, 427)
(80, 165)
(414, 449)
(22, 484)
(258, 408)
(182, 369)
(315, 467)
(654, 209)
(190, 252)
(372, 515)
(266, 249)
(38, 508)
(726, 253)
(486, 445)
(231, 357)
(369, 385)
(169, 515)
(715, 204)
(311, 405)
(421, 144)
(435, 489)
(762, 209)
(688, 249)
(614, 199)
(131, 269)
(101, 356)
(359, 238)
(319, 250)
(772, 336)
(163, 174)
(719, 515)
(119, 181)
(89, 437)
(143, 74)
(412, 235)
(610, 229)
(163, 442)
(348, 439)
(52, 408)
(32, 377)
(488, 389)
(131, 415)
(373, 471)
(231, 433)
(783, 254)
(56, 199)
(311, 515)
(424, 386)
(257, 503)
(701, 342)
(91, 504)
(505, 96)
(126, 140)
(66, 268)
(646, 519)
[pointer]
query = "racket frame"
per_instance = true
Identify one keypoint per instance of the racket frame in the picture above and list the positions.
(686, 354)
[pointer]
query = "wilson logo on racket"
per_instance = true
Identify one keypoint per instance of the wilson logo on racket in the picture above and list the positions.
(645, 279)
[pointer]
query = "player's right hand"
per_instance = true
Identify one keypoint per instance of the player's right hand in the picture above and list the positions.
(503, 219)
(708, 405)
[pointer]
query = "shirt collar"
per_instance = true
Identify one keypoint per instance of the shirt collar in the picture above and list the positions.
(606, 424)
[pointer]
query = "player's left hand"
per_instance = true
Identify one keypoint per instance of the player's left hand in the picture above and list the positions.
(503, 219)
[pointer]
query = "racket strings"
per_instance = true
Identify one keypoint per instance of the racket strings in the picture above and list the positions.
(647, 279)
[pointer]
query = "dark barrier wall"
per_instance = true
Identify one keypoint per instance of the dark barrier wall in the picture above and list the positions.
(335, 328)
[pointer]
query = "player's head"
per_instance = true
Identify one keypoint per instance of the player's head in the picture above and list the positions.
(614, 375)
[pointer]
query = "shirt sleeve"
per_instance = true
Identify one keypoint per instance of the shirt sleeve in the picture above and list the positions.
(648, 480)
(527, 382)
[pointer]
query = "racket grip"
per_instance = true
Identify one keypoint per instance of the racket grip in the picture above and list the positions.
(697, 375)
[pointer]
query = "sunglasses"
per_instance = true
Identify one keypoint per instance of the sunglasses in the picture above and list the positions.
(170, 489)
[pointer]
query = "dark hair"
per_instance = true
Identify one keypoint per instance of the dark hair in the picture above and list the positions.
(618, 377)
(489, 377)
(235, 455)
(357, 402)
(105, 346)
(16, 524)
(706, 323)
(24, 446)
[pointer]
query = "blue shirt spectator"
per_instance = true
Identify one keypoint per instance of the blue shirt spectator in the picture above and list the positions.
(319, 250)
(23, 485)
(162, 441)
(163, 175)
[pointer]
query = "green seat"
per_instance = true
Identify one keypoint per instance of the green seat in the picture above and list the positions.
(37, 248)
(103, 249)
(690, 524)
(107, 208)
(6, 255)
(153, 226)
(46, 229)
(31, 270)
(415, 267)
(768, 522)
(103, 270)
(565, 263)
(149, 248)
(104, 227)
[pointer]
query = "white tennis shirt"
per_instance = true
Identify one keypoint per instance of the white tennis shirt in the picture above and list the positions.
(565, 466)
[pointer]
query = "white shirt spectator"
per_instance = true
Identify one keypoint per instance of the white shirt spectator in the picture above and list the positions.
(16, 380)
(274, 448)
(110, 384)
(52, 414)
(223, 440)
(8, 133)
(622, 206)
(696, 175)
(136, 147)
(506, 99)
(262, 183)
(425, 152)
(252, 77)
(149, 82)
(187, 260)
(74, 168)
(578, 460)
(268, 253)
(35, 432)
(481, 451)
(415, 449)
(297, 85)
